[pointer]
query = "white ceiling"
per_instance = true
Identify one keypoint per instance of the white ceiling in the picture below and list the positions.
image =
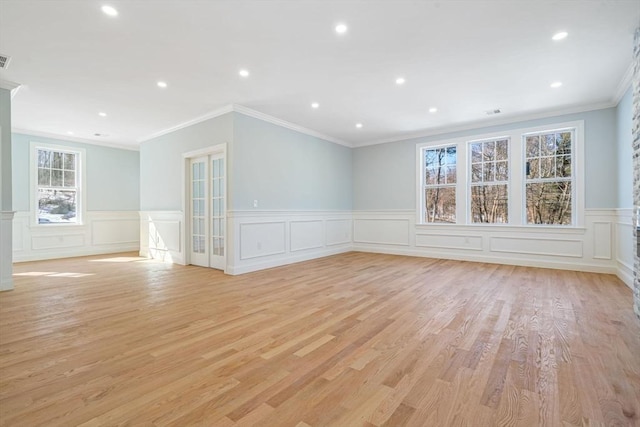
(463, 57)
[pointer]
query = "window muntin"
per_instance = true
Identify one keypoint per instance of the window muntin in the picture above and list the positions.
(489, 176)
(439, 184)
(549, 177)
(57, 186)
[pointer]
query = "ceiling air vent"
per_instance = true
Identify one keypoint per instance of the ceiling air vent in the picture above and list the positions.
(492, 112)
(4, 61)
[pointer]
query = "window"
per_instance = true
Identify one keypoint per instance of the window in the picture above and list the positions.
(439, 184)
(490, 181)
(57, 191)
(532, 176)
(549, 178)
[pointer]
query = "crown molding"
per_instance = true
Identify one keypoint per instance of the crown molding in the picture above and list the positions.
(283, 123)
(488, 123)
(74, 139)
(13, 87)
(8, 84)
(208, 116)
(247, 112)
(624, 84)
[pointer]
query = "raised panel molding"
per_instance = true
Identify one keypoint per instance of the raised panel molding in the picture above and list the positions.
(265, 239)
(381, 231)
(161, 235)
(338, 232)
(449, 241)
(102, 232)
(602, 240)
(304, 235)
(537, 246)
(57, 241)
(262, 239)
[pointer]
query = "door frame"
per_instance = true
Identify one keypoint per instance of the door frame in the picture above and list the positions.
(186, 199)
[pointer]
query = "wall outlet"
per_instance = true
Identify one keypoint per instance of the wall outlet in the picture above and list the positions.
(259, 245)
(255, 203)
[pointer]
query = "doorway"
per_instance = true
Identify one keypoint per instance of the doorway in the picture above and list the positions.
(206, 209)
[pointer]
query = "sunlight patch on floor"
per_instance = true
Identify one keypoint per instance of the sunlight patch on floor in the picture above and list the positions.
(53, 274)
(120, 259)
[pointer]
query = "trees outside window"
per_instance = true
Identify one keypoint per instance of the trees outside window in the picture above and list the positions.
(439, 184)
(527, 176)
(490, 181)
(549, 178)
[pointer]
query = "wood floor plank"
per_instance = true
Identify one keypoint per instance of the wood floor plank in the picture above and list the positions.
(353, 339)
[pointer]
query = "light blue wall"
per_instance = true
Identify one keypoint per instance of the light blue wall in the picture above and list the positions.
(113, 175)
(5, 150)
(625, 151)
(161, 161)
(285, 170)
(384, 176)
(280, 168)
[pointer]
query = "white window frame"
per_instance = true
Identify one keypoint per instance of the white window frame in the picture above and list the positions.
(80, 182)
(469, 217)
(461, 174)
(575, 193)
(517, 181)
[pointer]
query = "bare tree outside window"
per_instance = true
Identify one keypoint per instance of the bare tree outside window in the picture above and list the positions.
(490, 181)
(549, 178)
(440, 184)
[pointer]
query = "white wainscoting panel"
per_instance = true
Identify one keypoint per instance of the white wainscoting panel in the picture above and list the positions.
(262, 239)
(587, 248)
(449, 241)
(58, 241)
(115, 230)
(386, 231)
(6, 252)
(102, 232)
(624, 245)
(338, 232)
(161, 235)
(602, 239)
(265, 239)
(537, 246)
(306, 235)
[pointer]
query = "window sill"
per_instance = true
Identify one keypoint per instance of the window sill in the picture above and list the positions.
(537, 229)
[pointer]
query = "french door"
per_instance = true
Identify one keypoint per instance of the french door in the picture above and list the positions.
(208, 211)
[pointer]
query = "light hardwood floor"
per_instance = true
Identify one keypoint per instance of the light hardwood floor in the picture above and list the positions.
(350, 340)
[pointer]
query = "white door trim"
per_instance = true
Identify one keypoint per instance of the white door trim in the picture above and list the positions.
(186, 182)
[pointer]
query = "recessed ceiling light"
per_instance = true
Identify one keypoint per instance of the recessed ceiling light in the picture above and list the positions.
(108, 10)
(556, 85)
(433, 110)
(359, 125)
(315, 105)
(400, 81)
(560, 35)
(162, 84)
(341, 28)
(243, 73)
(70, 132)
(101, 114)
